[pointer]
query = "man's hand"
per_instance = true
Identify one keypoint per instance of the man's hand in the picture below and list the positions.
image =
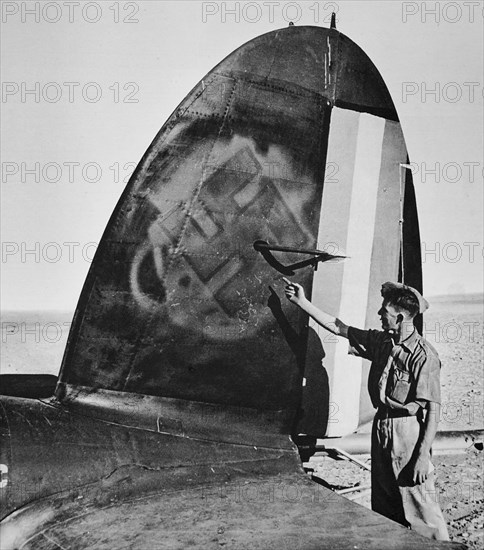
(419, 467)
(419, 470)
(294, 292)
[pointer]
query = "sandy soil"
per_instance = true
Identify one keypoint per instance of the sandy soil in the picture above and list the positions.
(34, 343)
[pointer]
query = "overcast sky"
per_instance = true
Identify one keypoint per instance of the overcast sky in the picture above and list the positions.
(87, 85)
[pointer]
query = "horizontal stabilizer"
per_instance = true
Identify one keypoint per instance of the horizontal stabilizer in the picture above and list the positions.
(28, 385)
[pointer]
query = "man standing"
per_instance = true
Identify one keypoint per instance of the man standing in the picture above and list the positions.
(404, 387)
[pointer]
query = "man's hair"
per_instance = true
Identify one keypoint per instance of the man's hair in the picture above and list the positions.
(402, 299)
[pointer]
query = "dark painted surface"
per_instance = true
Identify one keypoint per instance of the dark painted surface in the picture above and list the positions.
(275, 512)
(28, 385)
(179, 302)
(176, 301)
(412, 256)
(97, 485)
(49, 449)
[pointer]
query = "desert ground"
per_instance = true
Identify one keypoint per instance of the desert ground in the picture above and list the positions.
(33, 342)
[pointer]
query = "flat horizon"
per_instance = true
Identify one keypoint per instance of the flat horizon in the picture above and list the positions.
(470, 297)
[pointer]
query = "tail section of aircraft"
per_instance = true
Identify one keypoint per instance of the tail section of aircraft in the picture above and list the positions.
(275, 144)
(186, 370)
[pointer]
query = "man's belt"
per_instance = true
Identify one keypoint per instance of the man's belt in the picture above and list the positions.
(387, 412)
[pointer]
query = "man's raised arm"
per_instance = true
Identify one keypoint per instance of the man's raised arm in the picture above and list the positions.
(295, 294)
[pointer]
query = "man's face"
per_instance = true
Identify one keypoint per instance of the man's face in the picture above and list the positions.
(388, 316)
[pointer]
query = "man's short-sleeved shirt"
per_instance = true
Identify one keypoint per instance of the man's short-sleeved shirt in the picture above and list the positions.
(400, 374)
